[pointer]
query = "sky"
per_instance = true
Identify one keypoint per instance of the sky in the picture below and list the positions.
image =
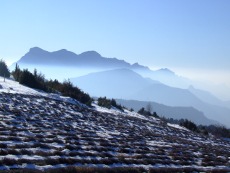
(191, 37)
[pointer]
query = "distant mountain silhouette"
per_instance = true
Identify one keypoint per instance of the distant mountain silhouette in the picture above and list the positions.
(208, 97)
(166, 95)
(189, 113)
(94, 62)
(127, 84)
(165, 76)
(118, 83)
(165, 71)
(38, 56)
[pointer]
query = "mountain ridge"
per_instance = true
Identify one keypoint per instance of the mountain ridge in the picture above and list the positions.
(37, 55)
(94, 62)
(107, 83)
(208, 97)
(175, 112)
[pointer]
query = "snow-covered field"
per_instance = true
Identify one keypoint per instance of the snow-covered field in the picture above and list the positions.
(40, 131)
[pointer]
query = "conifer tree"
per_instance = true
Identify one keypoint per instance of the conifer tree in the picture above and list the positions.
(16, 73)
(4, 71)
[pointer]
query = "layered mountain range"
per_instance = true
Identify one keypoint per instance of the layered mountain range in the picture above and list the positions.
(114, 78)
(87, 62)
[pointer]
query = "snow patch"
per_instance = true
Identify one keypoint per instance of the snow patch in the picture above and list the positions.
(177, 126)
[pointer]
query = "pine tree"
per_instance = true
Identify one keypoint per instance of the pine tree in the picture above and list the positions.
(16, 73)
(4, 71)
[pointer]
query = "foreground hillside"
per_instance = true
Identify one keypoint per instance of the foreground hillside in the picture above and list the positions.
(39, 132)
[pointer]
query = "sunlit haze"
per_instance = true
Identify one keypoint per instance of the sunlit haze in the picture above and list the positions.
(215, 81)
(191, 37)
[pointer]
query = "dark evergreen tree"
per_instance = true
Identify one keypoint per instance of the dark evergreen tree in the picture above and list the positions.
(189, 125)
(104, 102)
(28, 79)
(113, 103)
(155, 115)
(131, 110)
(16, 73)
(142, 111)
(4, 71)
(67, 89)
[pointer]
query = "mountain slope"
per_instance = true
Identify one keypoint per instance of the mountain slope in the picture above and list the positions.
(169, 112)
(126, 84)
(164, 94)
(12, 87)
(39, 132)
(165, 76)
(208, 97)
(180, 97)
(119, 83)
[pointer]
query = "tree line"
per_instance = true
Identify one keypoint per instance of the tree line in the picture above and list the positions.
(108, 103)
(38, 81)
(215, 130)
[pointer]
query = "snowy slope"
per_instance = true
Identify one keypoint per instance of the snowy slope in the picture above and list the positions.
(40, 132)
(11, 86)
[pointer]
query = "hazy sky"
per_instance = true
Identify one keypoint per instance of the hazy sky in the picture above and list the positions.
(189, 36)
